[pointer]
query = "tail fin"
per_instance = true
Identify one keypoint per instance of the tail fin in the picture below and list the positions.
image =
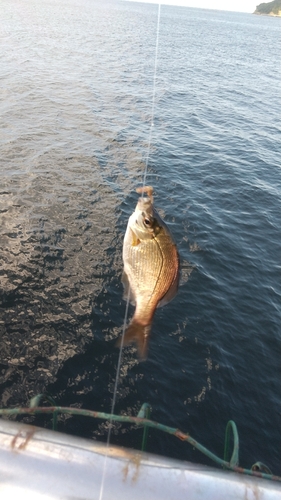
(139, 334)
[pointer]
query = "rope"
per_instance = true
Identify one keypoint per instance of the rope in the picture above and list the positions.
(139, 421)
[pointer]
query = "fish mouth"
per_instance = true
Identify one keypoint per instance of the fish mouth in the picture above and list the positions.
(144, 205)
(146, 190)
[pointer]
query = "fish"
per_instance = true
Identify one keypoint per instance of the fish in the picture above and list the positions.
(151, 269)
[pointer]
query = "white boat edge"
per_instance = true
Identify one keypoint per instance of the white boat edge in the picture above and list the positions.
(39, 464)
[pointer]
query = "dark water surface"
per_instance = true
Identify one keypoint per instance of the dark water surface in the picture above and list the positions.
(76, 87)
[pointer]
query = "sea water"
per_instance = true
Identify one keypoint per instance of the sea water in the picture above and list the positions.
(76, 99)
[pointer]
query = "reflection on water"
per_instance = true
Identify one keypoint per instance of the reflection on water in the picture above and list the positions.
(57, 241)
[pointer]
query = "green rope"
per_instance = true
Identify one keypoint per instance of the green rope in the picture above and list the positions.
(144, 413)
(34, 402)
(141, 421)
(234, 460)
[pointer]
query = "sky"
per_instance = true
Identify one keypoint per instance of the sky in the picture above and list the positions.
(234, 5)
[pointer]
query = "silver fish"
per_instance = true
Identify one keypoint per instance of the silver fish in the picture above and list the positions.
(151, 268)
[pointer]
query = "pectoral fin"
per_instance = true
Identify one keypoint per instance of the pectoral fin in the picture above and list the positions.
(134, 239)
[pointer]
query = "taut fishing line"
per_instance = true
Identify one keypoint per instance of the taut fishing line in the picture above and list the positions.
(128, 297)
(114, 397)
(153, 96)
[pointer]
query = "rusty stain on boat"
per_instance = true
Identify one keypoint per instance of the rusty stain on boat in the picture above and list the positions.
(21, 439)
(135, 461)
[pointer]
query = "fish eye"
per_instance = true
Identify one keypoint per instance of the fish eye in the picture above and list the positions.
(147, 222)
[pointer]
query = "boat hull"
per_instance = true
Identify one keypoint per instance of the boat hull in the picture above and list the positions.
(40, 464)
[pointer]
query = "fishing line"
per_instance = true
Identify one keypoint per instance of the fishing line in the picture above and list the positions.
(128, 297)
(153, 96)
(114, 395)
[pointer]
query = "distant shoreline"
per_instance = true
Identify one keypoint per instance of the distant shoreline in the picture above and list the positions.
(272, 9)
(271, 14)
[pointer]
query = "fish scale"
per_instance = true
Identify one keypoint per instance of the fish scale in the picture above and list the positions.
(151, 268)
